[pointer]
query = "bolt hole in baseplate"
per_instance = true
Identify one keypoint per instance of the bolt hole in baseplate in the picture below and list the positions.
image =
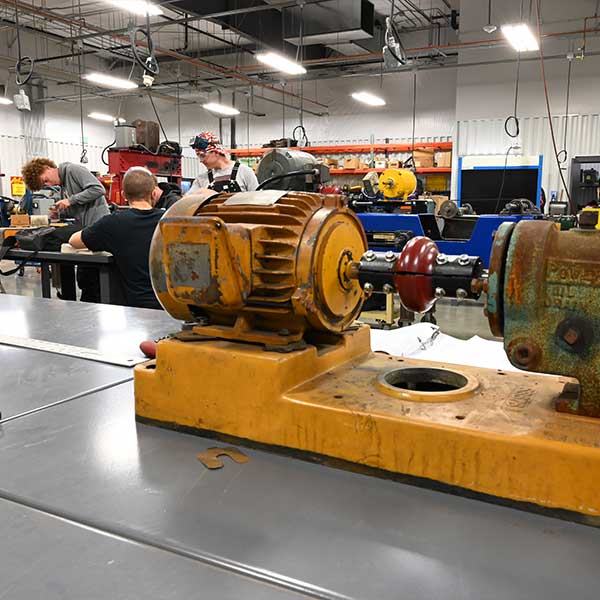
(427, 384)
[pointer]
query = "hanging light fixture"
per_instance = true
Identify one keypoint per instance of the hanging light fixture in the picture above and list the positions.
(368, 98)
(281, 63)
(137, 7)
(110, 81)
(221, 109)
(101, 117)
(520, 37)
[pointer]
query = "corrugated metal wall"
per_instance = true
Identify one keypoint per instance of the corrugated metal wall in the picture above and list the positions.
(488, 137)
(13, 156)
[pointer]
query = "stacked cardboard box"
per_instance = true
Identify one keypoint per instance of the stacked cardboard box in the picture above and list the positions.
(443, 158)
(351, 162)
(424, 158)
(332, 163)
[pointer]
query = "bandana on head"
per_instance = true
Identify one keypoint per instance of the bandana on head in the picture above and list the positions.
(208, 141)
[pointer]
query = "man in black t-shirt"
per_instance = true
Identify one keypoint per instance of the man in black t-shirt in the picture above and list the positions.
(127, 234)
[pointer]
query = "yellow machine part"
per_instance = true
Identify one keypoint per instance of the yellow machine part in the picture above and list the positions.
(497, 433)
(596, 210)
(263, 267)
(397, 183)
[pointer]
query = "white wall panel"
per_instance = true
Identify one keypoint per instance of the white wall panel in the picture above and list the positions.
(13, 156)
(488, 137)
(190, 166)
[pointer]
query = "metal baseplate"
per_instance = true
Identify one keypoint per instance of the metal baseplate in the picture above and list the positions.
(492, 432)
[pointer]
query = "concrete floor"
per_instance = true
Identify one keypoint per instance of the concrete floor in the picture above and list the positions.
(462, 321)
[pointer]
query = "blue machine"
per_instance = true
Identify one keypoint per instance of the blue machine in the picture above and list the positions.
(471, 235)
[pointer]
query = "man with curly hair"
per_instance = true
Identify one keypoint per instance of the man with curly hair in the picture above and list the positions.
(82, 199)
(82, 194)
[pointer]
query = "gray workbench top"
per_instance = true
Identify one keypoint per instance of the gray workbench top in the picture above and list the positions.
(33, 379)
(330, 530)
(54, 559)
(177, 530)
(104, 327)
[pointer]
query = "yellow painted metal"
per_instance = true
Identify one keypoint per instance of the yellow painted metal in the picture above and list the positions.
(502, 437)
(341, 243)
(397, 183)
(259, 264)
(596, 210)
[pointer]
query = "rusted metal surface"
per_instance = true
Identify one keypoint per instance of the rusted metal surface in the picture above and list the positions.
(210, 457)
(275, 262)
(551, 306)
(494, 287)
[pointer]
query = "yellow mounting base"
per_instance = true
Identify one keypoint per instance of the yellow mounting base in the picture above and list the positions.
(497, 434)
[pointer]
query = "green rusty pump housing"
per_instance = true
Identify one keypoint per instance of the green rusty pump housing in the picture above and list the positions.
(544, 299)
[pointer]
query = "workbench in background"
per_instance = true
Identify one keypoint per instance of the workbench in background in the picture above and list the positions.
(111, 291)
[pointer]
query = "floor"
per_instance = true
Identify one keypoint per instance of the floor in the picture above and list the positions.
(462, 320)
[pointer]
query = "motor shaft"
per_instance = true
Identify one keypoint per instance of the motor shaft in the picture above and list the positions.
(420, 274)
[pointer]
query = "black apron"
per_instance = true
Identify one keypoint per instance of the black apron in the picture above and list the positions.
(225, 183)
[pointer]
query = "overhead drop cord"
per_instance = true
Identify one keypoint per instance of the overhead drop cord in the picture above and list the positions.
(513, 118)
(414, 119)
(503, 179)
(157, 116)
(563, 152)
(19, 77)
(562, 177)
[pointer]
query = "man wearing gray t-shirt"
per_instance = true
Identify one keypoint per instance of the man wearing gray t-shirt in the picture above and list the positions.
(219, 173)
(83, 199)
(83, 196)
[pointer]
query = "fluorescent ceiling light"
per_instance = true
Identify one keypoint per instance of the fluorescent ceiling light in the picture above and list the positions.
(368, 98)
(138, 7)
(111, 82)
(221, 109)
(5, 101)
(101, 117)
(520, 37)
(281, 63)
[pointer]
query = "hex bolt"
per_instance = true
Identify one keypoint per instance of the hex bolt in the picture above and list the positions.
(461, 294)
(523, 354)
(441, 259)
(463, 259)
(368, 289)
(440, 292)
(390, 256)
(571, 336)
(370, 255)
(387, 288)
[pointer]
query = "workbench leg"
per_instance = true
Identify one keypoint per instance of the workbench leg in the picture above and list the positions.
(68, 290)
(46, 280)
(104, 285)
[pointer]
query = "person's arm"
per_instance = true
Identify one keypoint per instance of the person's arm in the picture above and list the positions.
(249, 180)
(96, 237)
(91, 188)
(200, 184)
(76, 241)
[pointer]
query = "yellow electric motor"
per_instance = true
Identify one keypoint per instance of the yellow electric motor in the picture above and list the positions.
(259, 266)
(397, 183)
